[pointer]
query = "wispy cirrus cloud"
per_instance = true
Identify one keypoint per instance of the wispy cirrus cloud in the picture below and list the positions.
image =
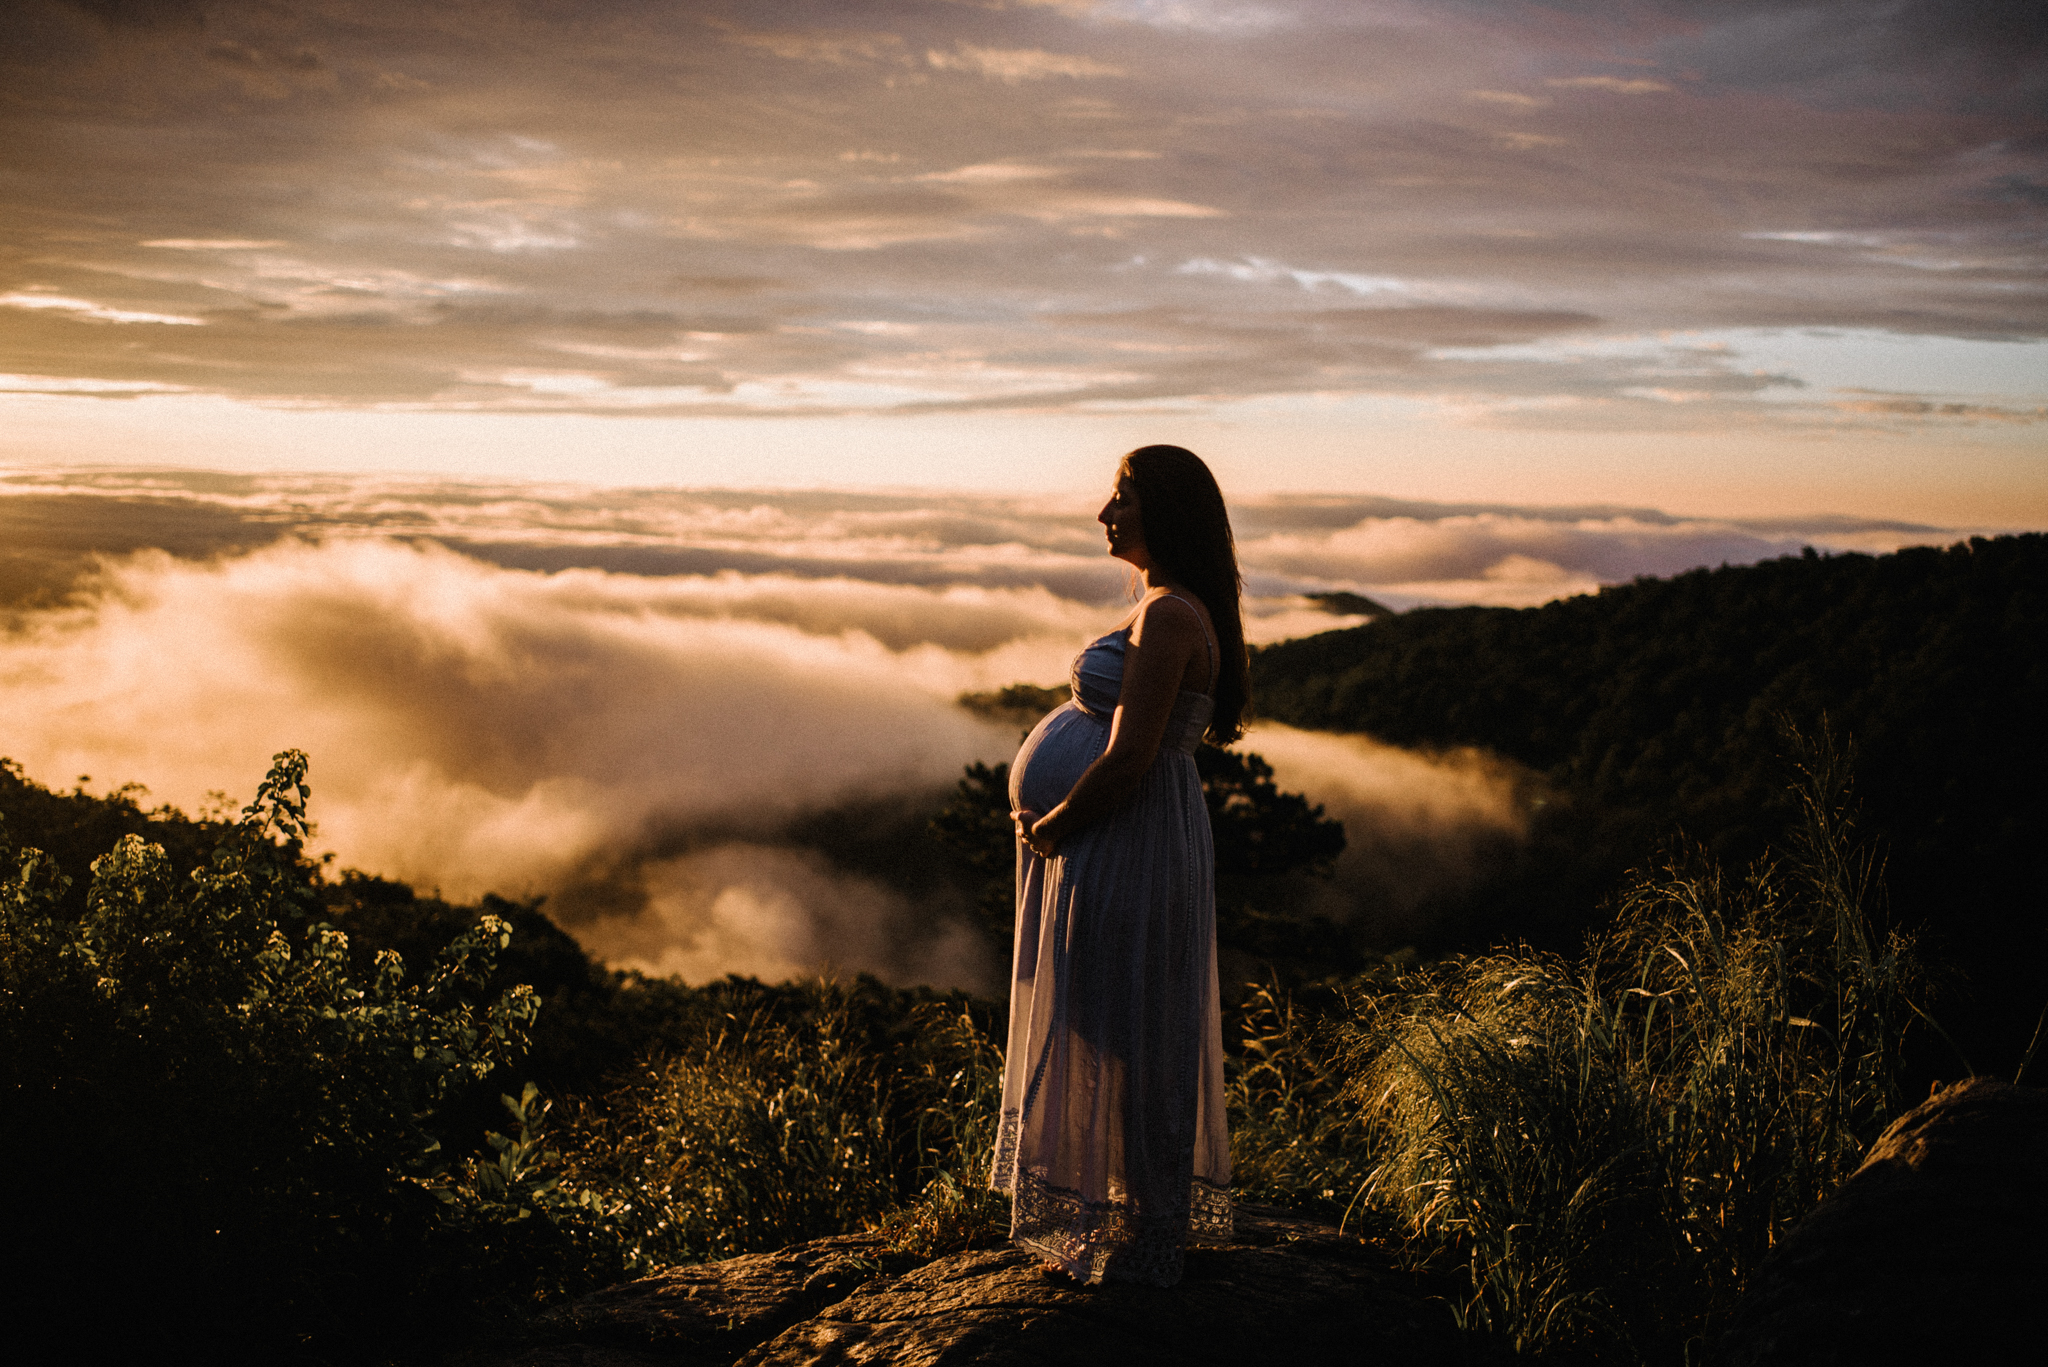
(1011, 65)
(87, 310)
(1613, 85)
(477, 191)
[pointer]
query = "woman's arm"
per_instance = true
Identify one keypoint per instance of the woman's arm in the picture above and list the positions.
(1163, 640)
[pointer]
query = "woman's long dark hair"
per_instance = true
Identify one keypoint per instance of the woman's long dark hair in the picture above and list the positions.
(1187, 534)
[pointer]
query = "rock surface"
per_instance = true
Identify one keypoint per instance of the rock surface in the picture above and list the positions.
(1287, 1291)
(709, 1314)
(1935, 1249)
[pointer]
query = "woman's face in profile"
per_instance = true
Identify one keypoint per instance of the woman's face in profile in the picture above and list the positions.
(1126, 525)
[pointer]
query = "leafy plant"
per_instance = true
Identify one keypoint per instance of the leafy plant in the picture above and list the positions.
(518, 1211)
(219, 1115)
(779, 1125)
(1293, 1139)
(1265, 841)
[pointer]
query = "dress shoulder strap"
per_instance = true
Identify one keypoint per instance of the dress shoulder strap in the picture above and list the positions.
(1208, 635)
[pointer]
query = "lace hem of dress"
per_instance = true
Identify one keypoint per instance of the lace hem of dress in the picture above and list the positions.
(1094, 1240)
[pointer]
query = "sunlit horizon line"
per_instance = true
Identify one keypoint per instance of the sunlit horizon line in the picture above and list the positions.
(1040, 500)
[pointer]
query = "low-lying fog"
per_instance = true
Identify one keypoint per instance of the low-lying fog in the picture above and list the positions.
(636, 703)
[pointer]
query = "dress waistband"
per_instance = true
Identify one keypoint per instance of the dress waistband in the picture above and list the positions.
(1185, 725)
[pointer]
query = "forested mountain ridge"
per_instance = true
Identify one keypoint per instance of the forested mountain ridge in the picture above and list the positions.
(1656, 706)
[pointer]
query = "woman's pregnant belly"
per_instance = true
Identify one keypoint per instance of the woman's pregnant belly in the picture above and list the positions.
(1054, 756)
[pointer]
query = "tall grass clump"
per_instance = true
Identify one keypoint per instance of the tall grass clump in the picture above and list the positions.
(958, 1085)
(1294, 1140)
(1610, 1145)
(778, 1126)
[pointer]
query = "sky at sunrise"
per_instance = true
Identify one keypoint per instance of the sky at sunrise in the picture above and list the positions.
(609, 435)
(1716, 257)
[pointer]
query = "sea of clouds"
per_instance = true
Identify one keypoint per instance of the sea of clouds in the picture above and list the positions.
(632, 702)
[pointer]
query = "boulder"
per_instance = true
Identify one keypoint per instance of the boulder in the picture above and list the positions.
(1300, 1294)
(1286, 1291)
(709, 1314)
(1934, 1250)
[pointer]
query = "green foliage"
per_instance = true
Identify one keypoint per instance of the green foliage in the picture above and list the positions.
(1654, 706)
(789, 1119)
(200, 1033)
(975, 823)
(1293, 1139)
(305, 1105)
(591, 1022)
(957, 1085)
(1612, 1143)
(1265, 841)
(73, 829)
(762, 1138)
(517, 1213)
(1020, 703)
(1259, 830)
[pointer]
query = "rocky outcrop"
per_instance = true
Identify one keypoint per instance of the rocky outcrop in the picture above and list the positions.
(1287, 1291)
(710, 1314)
(1935, 1249)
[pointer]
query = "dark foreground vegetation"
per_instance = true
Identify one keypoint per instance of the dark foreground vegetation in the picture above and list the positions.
(277, 1115)
(268, 1132)
(1656, 707)
(256, 1111)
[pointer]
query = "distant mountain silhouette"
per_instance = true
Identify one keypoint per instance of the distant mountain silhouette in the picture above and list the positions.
(50, 542)
(1349, 605)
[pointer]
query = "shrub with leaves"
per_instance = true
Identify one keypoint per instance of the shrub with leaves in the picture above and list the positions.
(517, 1214)
(1270, 846)
(208, 1109)
(789, 1119)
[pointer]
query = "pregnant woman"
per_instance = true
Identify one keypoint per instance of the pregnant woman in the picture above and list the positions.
(1113, 1145)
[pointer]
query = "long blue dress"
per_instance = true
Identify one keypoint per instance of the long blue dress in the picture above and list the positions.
(1113, 1144)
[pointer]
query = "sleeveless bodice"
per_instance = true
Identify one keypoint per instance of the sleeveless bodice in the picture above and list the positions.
(1074, 734)
(1098, 679)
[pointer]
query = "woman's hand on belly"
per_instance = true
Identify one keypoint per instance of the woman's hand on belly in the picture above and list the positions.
(1153, 668)
(1027, 822)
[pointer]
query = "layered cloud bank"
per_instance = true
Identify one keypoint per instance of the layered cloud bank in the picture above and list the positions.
(477, 729)
(811, 558)
(1418, 827)
(631, 702)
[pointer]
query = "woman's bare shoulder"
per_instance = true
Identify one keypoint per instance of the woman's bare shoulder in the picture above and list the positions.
(1168, 619)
